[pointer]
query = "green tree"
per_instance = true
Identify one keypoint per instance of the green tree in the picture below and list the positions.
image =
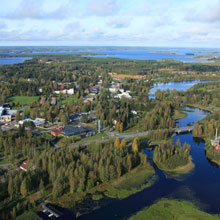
(17, 116)
(23, 188)
(10, 187)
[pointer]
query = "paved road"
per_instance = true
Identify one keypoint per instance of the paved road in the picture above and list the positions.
(128, 135)
(112, 134)
(6, 166)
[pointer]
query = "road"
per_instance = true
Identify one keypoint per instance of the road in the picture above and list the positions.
(128, 135)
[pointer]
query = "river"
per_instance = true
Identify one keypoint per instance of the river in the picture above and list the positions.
(200, 186)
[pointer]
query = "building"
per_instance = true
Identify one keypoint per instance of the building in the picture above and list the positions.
(74, 118)
(37, 122)
(4, 116)
(51, 210)
(124, 94)
(78, 131)
(57, 131)
(24, 165)
(42, 101)
(65, 91)
(53, 101)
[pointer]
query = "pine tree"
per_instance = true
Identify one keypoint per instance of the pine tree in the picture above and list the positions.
(23, 188)
(129, 162)
(10, 187)
(118, 169)
(17, 116)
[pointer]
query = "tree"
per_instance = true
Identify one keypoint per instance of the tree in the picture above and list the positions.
(135, 145)
(117, 142)
(123, 143)
(23, 188)
(10, 187)
(17, 116)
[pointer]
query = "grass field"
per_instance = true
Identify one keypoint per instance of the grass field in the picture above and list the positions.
(23, 100)
(28, 215)
(126, 76)
(97, 136)
(173, 209)
(69, 98)
(131, 183)
(179, 115)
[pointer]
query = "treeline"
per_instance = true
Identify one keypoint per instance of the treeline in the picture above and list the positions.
(20, 142)
(203, 94)
(168, 156)
(208, 126)
(160, 117)
(69, 171)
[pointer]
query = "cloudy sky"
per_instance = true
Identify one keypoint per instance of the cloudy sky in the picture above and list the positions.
(192, 23)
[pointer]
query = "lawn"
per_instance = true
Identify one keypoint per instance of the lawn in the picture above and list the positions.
(172, 209)
(69, 98)
(179, 115)
(29, 215)
(138, 179)
(97, 136)
(23, 100)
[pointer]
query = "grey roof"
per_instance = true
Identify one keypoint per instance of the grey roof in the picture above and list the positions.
(70, 130)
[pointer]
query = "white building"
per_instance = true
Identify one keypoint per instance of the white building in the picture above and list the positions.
(4, 116)
(65, 91)
(123, 94)
(37, 122)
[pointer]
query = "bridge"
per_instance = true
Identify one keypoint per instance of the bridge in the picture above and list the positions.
(183, 129)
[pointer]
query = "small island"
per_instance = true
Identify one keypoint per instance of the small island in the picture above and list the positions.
(174, 159)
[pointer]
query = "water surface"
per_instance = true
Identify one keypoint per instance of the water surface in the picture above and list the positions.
(13, 60)
(200, 186)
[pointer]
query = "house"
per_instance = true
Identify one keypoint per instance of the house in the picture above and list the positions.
(41, 120)
(24, 165)
(57, 131)
(42, 101)
(4, 116)
(78, 131)
(124, 94)
(53, 101)
(37, 122)
(65, 91)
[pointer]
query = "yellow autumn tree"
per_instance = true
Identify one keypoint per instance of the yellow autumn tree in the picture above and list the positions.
(117, 142)
(123, 143)
(135, 144)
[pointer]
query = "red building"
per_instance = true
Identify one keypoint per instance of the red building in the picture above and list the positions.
(56, 131)
(23, 166)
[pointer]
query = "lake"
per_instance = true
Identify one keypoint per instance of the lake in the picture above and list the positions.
(139, 53)
(13, 60)
(179, 86)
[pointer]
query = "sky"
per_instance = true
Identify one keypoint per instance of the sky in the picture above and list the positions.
(167, 23)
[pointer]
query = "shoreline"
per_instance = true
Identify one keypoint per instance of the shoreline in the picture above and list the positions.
(181, 169)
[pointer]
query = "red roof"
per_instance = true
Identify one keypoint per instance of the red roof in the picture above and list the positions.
(24, 165)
